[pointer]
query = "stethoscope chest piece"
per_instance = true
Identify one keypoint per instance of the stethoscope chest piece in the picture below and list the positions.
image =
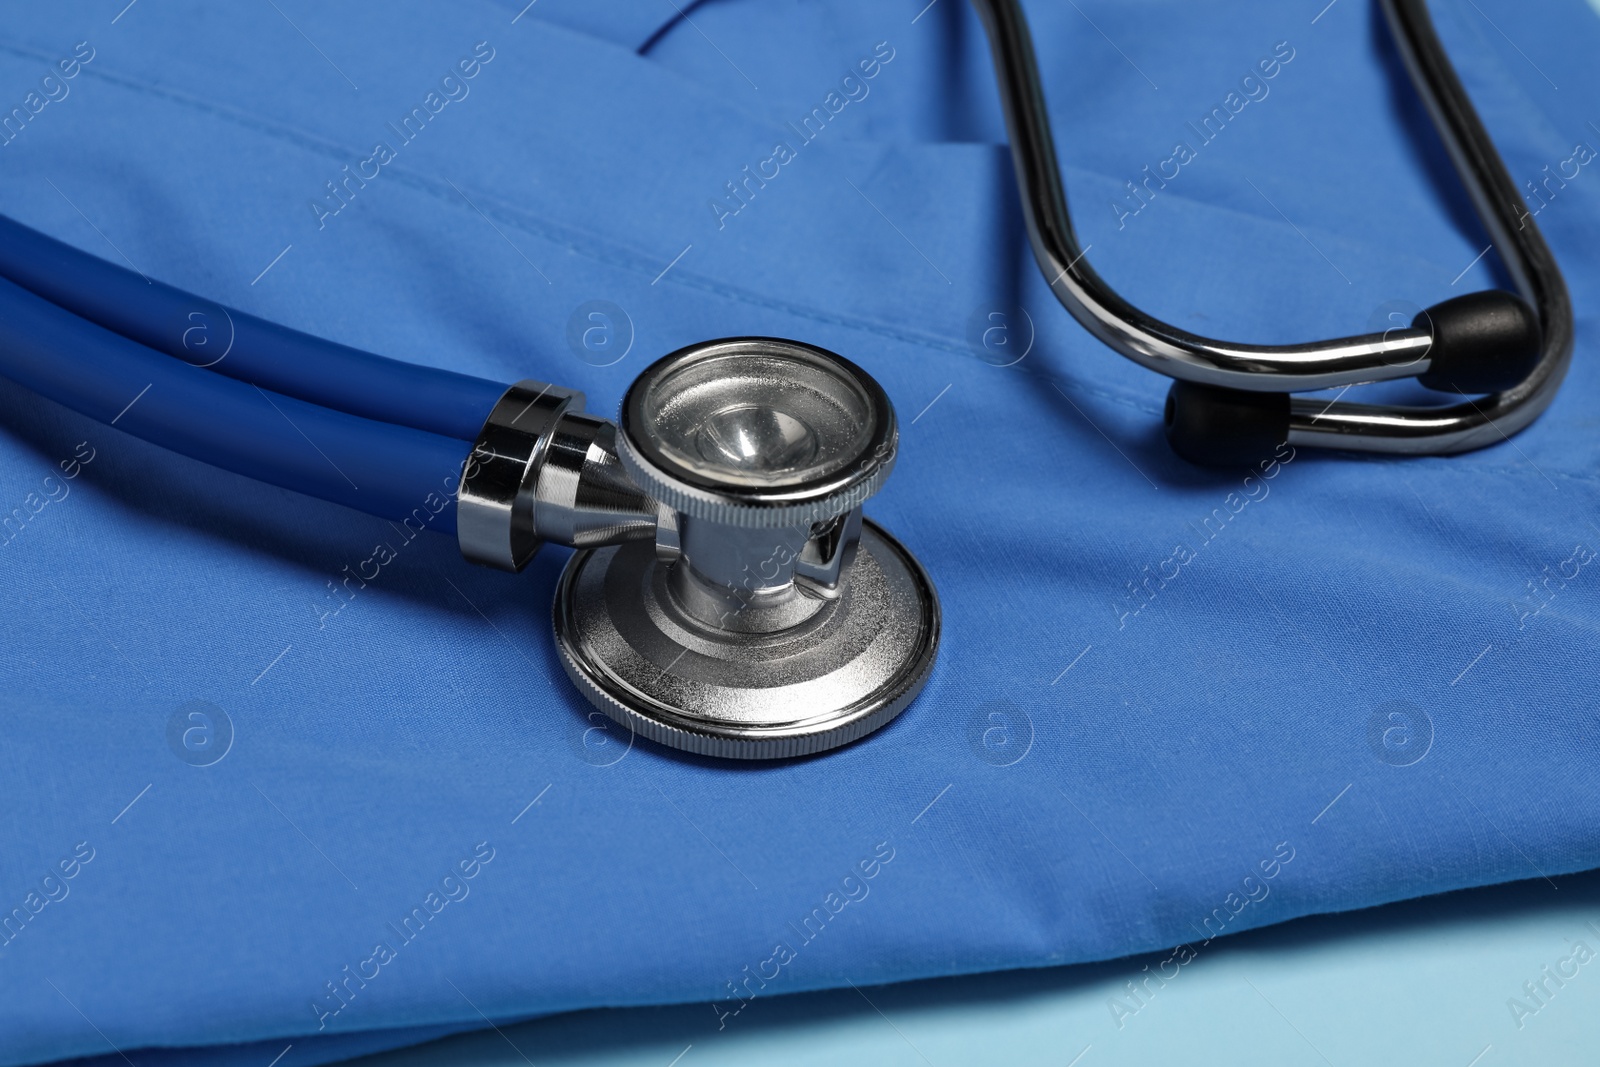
(767, 619)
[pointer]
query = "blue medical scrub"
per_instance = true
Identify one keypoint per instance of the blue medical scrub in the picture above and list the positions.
(276, 773)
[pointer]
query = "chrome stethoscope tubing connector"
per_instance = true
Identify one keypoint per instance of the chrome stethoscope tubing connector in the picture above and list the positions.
(728, 598)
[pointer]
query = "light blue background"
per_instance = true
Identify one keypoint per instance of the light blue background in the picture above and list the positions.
(1419, 983)
(1169, 756)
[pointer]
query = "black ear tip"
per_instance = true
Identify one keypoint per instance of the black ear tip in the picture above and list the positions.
(1216, 427)
(1482, 342)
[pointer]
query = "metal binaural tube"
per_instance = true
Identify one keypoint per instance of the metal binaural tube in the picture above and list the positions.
(1474, 423)
(1319, 365)
(1103, 312)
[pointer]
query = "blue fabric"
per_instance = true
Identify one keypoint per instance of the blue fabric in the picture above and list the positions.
(1360, 680)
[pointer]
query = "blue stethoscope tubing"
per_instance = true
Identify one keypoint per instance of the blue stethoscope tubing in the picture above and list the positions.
(276, 358)
(382, 436)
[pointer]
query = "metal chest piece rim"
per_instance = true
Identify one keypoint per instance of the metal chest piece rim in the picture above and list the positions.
(652, 669)
(768, 619)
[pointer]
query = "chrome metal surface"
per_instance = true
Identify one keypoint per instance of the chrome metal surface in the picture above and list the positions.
(582, 497)
(828, 554)
(494, 510)
(543, 470)
(760, 452)
(1470, 424)
(1318, 365)
(727, 597)
(653, 663)
(758, 432)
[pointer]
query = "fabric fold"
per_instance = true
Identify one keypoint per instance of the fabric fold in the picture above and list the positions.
(1171, 704)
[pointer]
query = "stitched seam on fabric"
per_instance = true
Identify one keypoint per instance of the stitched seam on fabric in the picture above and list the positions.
(1450, 463)
(595, 247)
(590, 245)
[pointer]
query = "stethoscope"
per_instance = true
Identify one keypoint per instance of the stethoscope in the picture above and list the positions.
(1504, 354)
(727, 596)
